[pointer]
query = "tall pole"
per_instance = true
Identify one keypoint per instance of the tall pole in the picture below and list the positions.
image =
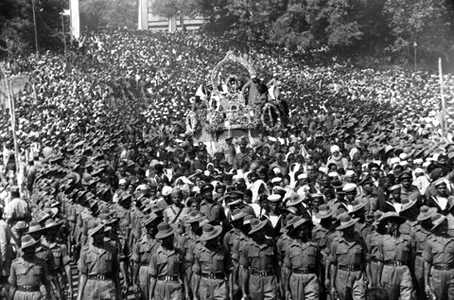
(34, 24)
(414, 49)
(64, 34)
(443, 103)
(13, 120)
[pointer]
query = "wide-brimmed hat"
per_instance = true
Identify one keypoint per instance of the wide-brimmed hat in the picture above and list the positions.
(210, 232)
(96, 229)
(50, 224)
(425, 213)
(394, 187)
(437, 220)
(107, 219)
(238, 215)
(346, 221)
(391, 216)
(357, 205)
(194, 216)
(150, 219)
(27, 241)
(324, 212)
(407, 204)
(257, 225)
(164, 230)
(295, 200)
(300, 222)
(35, 228)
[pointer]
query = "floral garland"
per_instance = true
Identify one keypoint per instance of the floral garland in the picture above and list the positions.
(192, 124)
(215, 122)
(267, 111)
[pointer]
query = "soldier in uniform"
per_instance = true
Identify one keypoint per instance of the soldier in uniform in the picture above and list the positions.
(346, 262)
(372, 242)
(28, 273)
(214, 267)
(141, 256)
(61, 257)
(210, 208)
(98, 268)
(394, 252)
(439, 261)
(237, 249)
(168, 280)
(302, 263)
(261, 276)
(358, 211)
(420, 235)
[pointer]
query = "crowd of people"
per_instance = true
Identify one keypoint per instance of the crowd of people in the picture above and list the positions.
(351, 195)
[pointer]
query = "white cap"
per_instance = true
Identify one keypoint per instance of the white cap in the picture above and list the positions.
(302, 176)
(349, 173)
(348, 187)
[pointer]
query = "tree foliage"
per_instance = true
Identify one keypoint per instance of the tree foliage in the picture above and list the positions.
(95, 14)
(17, 28)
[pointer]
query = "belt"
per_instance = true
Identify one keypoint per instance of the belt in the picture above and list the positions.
(100, 277)
(168, 278)
(444, 267)
(303, 271)
(261, 273)
(349, 268)
(395, 263)
(213, 275)
(145, 264)
(28, 288)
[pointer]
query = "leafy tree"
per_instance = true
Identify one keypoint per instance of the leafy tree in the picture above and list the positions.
(426, 22)
(17, 28)
(108, 13)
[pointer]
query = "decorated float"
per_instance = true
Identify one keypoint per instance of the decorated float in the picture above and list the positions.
(229, 111)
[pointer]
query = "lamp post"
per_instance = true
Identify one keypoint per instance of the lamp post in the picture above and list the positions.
(415, 45)
(34, 24)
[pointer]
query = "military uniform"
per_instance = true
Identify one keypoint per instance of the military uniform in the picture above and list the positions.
(100, 265)
(395, 254)
(166, 267)
(349, 258)
(372, 243)
(261, 261)
(213, 267)
(439, 254)
(27, 277)
(420, 237)
(301, 260)
(142, 252)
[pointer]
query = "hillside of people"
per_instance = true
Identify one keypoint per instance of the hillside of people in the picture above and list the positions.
(109, 180)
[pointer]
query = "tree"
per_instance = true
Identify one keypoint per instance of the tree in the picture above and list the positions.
(426, 22)
(17, 28)
(108, 13)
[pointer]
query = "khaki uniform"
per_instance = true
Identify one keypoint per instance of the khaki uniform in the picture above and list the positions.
(167, 268)
(420, 237)
(439, 253)
(372, 243)
(261, 261)
(395, 255)
(301, 260)
(213, 267)
(141, 255)
(100, 265)
(27, 277)
(349, 258)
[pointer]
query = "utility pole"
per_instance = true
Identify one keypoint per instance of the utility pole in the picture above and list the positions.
(64, 34)
(34, 24)
(443, 103)
(415, 45)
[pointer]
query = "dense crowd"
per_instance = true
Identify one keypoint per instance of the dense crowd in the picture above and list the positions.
(352, 192)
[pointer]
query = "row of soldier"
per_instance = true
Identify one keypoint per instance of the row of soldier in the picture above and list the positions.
(338, 252)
